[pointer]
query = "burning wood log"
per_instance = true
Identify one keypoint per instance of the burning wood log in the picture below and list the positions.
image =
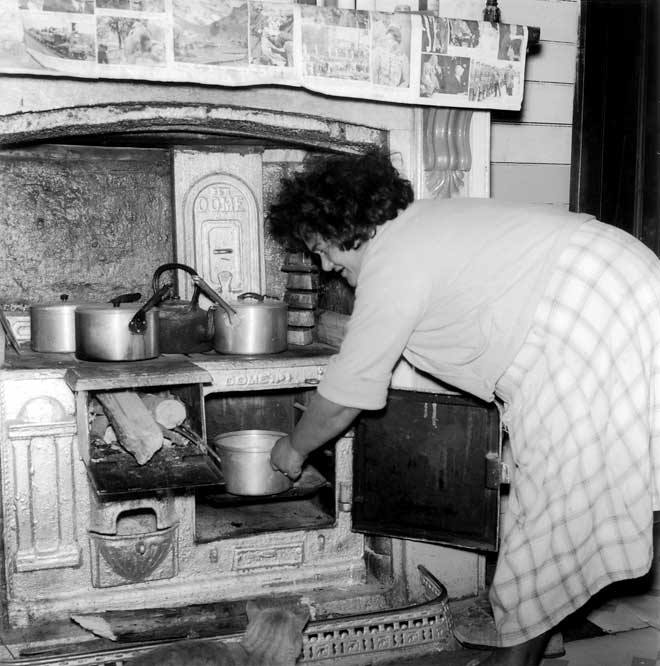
(133, 423)
(167, 410)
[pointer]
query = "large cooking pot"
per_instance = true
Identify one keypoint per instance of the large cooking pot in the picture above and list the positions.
(185, 328)
(52, 325)
(258, 326)
(118, 331)
(245, 459)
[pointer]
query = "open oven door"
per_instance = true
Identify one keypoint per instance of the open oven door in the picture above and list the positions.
(428, 467)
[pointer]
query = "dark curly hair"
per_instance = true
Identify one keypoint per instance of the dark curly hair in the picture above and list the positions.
(342, 198)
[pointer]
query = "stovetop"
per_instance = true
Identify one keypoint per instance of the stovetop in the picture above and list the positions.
(296, 366)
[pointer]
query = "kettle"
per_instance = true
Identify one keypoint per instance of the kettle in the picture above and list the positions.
(185, 328)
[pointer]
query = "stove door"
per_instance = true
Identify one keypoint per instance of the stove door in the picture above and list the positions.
(427, 467)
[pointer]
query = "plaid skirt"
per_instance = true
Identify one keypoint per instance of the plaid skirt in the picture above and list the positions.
(581, 402)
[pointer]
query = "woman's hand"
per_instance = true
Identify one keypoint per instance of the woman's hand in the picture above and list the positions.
(322, 421)
(284, 458)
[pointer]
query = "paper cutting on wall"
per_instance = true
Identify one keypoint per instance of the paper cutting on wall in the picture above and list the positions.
(404, 57)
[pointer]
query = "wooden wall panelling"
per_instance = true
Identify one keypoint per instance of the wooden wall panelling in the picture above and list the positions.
(554, 62)
(531, 149)
(531, 142)
(558, 19)
(547, 102)
(537, 183)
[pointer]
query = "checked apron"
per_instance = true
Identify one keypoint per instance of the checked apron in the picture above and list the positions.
(581, 402)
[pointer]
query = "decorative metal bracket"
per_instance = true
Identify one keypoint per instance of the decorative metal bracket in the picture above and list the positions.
(446, 150)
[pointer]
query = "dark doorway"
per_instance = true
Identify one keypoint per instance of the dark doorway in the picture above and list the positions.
(615, 158)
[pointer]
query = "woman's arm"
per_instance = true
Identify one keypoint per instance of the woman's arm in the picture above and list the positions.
(322, 421)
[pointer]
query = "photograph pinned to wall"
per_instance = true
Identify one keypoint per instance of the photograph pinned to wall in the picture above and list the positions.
(488, 81)
(146, 6)
(390, 49)
(338, 4)
(271, 34)
(463, 34)
(389, 6)
(335, 43)
(66, 6)
(131, 41)
(444, 75)
(429, 80)
(400, 57)
(489, 38)
(435, 34)
(510, 43)
(14, 56)
(54, 39)
(211, 32)
(467, 37)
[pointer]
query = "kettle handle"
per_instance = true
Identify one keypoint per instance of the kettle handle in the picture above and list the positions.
(212, 294)
(155, 281)
(210, 324)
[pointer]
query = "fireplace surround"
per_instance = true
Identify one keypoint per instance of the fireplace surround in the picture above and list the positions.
(58, 536)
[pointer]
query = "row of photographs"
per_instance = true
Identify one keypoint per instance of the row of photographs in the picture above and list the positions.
(472, 59)
(251, 33)
(155, 6)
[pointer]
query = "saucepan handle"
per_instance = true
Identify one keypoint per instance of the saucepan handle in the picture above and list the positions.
(125, 298)
(251, 294)
(138, 323)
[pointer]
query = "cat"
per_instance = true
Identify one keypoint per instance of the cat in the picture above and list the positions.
(273, 637)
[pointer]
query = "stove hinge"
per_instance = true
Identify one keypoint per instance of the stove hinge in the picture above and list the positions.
(497, 472)
(345, 497)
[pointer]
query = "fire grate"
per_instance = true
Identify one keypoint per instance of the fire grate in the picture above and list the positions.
(349, 640)
(357, 639)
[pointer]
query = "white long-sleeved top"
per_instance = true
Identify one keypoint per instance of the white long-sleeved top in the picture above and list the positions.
(452, 285)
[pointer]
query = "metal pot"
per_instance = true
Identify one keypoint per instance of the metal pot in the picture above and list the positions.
(185, 328)
(257, 327)
(245, 459)
(52, 325)
(118, 331)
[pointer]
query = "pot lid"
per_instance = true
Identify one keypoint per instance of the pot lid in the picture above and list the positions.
(258, 305)
(108, 308)
(63, 304)
(253, 300)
